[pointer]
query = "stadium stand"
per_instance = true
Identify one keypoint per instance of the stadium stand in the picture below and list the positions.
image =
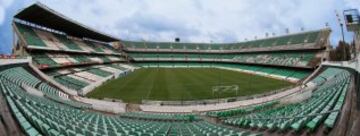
(47, 40)
(299, 50)
(39, 115)
(162, 116)
(52, 60)
(282, 72)
(323, 107)
(81, 77)
(241, 111)
(62, 55)
(294, 41)
(283, 59)
(65, 55)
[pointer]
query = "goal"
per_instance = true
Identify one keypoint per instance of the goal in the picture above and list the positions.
(217, 90)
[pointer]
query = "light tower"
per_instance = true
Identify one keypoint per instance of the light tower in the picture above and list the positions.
(342, 32)
(352, 22)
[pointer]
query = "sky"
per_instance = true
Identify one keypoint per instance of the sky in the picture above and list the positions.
(219, 21)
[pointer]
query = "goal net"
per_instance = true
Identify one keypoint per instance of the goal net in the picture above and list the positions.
(221, 89)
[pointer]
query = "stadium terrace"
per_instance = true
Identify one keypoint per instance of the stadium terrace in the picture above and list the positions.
(67, 79)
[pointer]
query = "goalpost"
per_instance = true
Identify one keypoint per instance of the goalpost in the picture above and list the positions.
(225, 89)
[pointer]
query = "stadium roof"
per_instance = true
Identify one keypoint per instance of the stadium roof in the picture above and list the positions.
(41, 15)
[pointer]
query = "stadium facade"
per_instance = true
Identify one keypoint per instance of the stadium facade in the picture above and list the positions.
(56, 61)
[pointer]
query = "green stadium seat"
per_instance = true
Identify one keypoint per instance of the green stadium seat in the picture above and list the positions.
(286, 40)
(307, 114)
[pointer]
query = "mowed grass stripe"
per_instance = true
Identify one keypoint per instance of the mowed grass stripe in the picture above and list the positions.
(140, 86)
(202, 80)
(183, 84)
(159, 91)
(177, 90)
(151, 83)
(189, 82)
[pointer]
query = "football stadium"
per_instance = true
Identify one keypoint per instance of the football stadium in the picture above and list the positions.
(64, 78)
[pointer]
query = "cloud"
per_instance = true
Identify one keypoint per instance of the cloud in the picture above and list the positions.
(4, 4)
(201, 20)
(353, 3)
(196, 21)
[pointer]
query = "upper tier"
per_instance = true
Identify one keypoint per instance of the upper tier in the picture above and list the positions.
(305, 40)
(290, 59)
(44, 40)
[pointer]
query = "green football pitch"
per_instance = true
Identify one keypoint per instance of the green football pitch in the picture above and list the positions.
(183, 84)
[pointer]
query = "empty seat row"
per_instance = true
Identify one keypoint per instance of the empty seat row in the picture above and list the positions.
(283, 59)
(240, 111)
(80, 77)
(288, 73)
(45, 60)
(161, 116)
(287, 40)
(322, 107)
(20, 76)
(44, 39)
